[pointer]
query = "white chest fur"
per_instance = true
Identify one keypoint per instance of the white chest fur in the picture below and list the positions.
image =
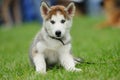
(51, 56)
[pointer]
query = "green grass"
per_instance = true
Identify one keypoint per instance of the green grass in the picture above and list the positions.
(101, 46)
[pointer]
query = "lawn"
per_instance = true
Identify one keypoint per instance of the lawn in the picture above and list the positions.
(98, 46)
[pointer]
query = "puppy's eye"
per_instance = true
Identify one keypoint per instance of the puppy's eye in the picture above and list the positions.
(53, 22)
(63, 21)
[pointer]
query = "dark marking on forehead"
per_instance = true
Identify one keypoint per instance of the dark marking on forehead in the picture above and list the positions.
(55, 9)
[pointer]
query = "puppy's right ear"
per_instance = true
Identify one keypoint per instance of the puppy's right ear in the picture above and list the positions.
(44, 9)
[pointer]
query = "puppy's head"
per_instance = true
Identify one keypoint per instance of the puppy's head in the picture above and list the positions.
(57, 19)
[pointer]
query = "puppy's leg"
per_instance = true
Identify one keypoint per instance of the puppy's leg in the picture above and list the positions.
(66, 60)
(39, 60)
(39, 63)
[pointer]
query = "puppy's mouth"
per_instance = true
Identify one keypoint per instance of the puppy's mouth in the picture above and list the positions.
(56, 36)
(59, 38)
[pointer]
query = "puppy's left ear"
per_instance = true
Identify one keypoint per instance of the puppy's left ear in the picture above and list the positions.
(71, 9)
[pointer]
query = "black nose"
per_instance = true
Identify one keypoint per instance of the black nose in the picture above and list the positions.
(58, 33)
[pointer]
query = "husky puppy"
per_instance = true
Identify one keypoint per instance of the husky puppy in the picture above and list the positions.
(53, 43)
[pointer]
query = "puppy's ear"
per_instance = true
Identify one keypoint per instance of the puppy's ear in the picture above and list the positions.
(44, 9)
(71, 9)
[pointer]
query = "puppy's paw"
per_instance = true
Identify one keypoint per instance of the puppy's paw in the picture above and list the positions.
(41, 71)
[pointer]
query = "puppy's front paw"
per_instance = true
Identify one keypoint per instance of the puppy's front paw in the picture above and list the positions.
(41, 71)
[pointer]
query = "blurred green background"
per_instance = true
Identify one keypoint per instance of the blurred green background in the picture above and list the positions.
(94, 45)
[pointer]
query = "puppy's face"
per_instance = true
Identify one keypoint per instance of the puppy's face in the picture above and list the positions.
(57, 19)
